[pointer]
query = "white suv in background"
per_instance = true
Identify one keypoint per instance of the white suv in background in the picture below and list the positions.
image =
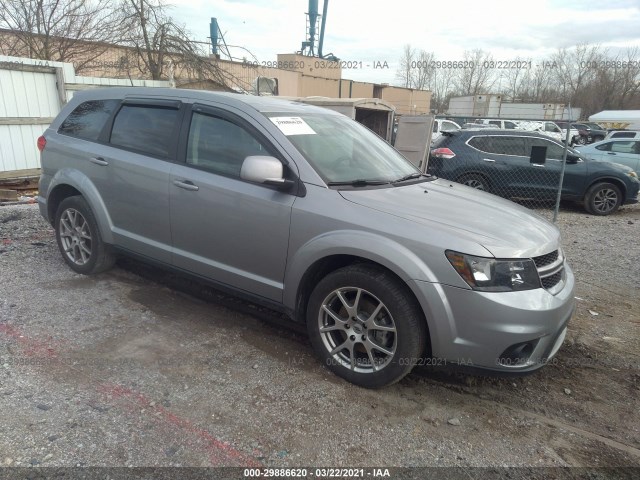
(548, 128)
(627, 134)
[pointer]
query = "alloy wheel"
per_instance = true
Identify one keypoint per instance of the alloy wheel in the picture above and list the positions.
(605, 200)
(357, 330)
(473, 183)
(75, 236)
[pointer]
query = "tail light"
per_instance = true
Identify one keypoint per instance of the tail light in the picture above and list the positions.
(443, 153)
(42, 142)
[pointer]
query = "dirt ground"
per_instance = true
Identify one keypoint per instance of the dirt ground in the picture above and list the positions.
(136, 367)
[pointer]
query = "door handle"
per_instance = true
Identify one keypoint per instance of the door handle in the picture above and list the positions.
(186, 184)
(99, 161)
(489, 160)
(610, 153)
(537, 165)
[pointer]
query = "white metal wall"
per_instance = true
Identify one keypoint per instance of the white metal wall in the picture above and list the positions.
(29, 100)
(24, 96)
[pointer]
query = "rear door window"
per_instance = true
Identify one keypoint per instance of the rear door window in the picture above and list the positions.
(146, 129)
(88, 119)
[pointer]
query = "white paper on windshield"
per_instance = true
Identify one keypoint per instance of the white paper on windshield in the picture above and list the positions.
(292, 126)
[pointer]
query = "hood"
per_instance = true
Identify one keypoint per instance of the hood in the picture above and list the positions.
(504, 228)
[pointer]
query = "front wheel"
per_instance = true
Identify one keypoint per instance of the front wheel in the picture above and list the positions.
(79, 239)
(603, 199)
(366, 326)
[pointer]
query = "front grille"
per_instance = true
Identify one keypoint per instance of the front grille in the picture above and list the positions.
(551, 270)
(552, 280)
(544, 260)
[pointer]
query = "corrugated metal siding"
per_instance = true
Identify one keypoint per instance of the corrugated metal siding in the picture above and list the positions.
(33, 95)
(18, 149)
(30, 95)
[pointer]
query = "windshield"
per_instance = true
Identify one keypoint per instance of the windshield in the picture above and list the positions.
(342, 150)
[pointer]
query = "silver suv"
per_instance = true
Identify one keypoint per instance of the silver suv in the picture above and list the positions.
(306, 211)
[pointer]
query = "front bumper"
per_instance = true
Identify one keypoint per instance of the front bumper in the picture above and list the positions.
(475, 329)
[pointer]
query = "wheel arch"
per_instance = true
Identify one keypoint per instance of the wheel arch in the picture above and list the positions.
(617, 182)
(67, 183)
(326, 254)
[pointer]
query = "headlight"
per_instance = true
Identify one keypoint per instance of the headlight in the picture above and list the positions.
(491, 275)
(633, 174)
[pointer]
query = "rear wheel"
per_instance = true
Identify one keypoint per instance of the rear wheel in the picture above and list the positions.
(366, 326)
(79, 239)
(582, 140)
(603, 199)
(474, 180)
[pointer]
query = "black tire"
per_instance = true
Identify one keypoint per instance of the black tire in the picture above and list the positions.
(582, 140)
(83, 240)
(365, 365)
(602, 199)
(476, 181)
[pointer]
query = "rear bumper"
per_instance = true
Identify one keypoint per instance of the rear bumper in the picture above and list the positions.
(476, 329)
(42, 205)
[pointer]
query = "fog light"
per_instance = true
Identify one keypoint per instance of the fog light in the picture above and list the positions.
(518, 354)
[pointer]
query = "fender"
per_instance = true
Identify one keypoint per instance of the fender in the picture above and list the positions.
(376, 248)
(82, 183)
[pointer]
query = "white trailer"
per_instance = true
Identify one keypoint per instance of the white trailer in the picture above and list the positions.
(617, 119)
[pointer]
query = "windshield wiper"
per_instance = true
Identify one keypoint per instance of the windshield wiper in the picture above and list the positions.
(411, 176)
(359, 183)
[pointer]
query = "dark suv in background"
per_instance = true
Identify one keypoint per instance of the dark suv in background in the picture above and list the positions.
(527, 165)
(589, 133)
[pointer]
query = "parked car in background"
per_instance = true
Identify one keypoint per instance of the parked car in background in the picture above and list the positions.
(550, 129)
(502, 162)
(441, 125)
(306, 211)
(498, 123)
(622, 134)
(622, 151)
(588, 133)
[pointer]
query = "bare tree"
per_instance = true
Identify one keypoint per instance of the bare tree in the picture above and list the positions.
(424, 71)
(162, 48)
(478, 76)
(573, 68)
(516, 79)
(76, 31)
(405, 72)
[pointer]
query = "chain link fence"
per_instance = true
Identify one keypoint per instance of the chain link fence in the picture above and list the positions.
(527, 169)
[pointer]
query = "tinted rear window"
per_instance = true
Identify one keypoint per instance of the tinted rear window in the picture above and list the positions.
(144, 128)
(88, 119)
(501, 145)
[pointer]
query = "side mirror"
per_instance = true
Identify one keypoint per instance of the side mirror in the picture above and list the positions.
(572, 159)
(264, 169)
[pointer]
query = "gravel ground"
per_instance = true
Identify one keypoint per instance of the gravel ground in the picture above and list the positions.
(136, 367)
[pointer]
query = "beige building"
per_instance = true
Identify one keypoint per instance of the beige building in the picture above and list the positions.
(295, 76)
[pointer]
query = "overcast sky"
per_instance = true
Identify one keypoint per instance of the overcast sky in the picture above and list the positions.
(370, 31)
